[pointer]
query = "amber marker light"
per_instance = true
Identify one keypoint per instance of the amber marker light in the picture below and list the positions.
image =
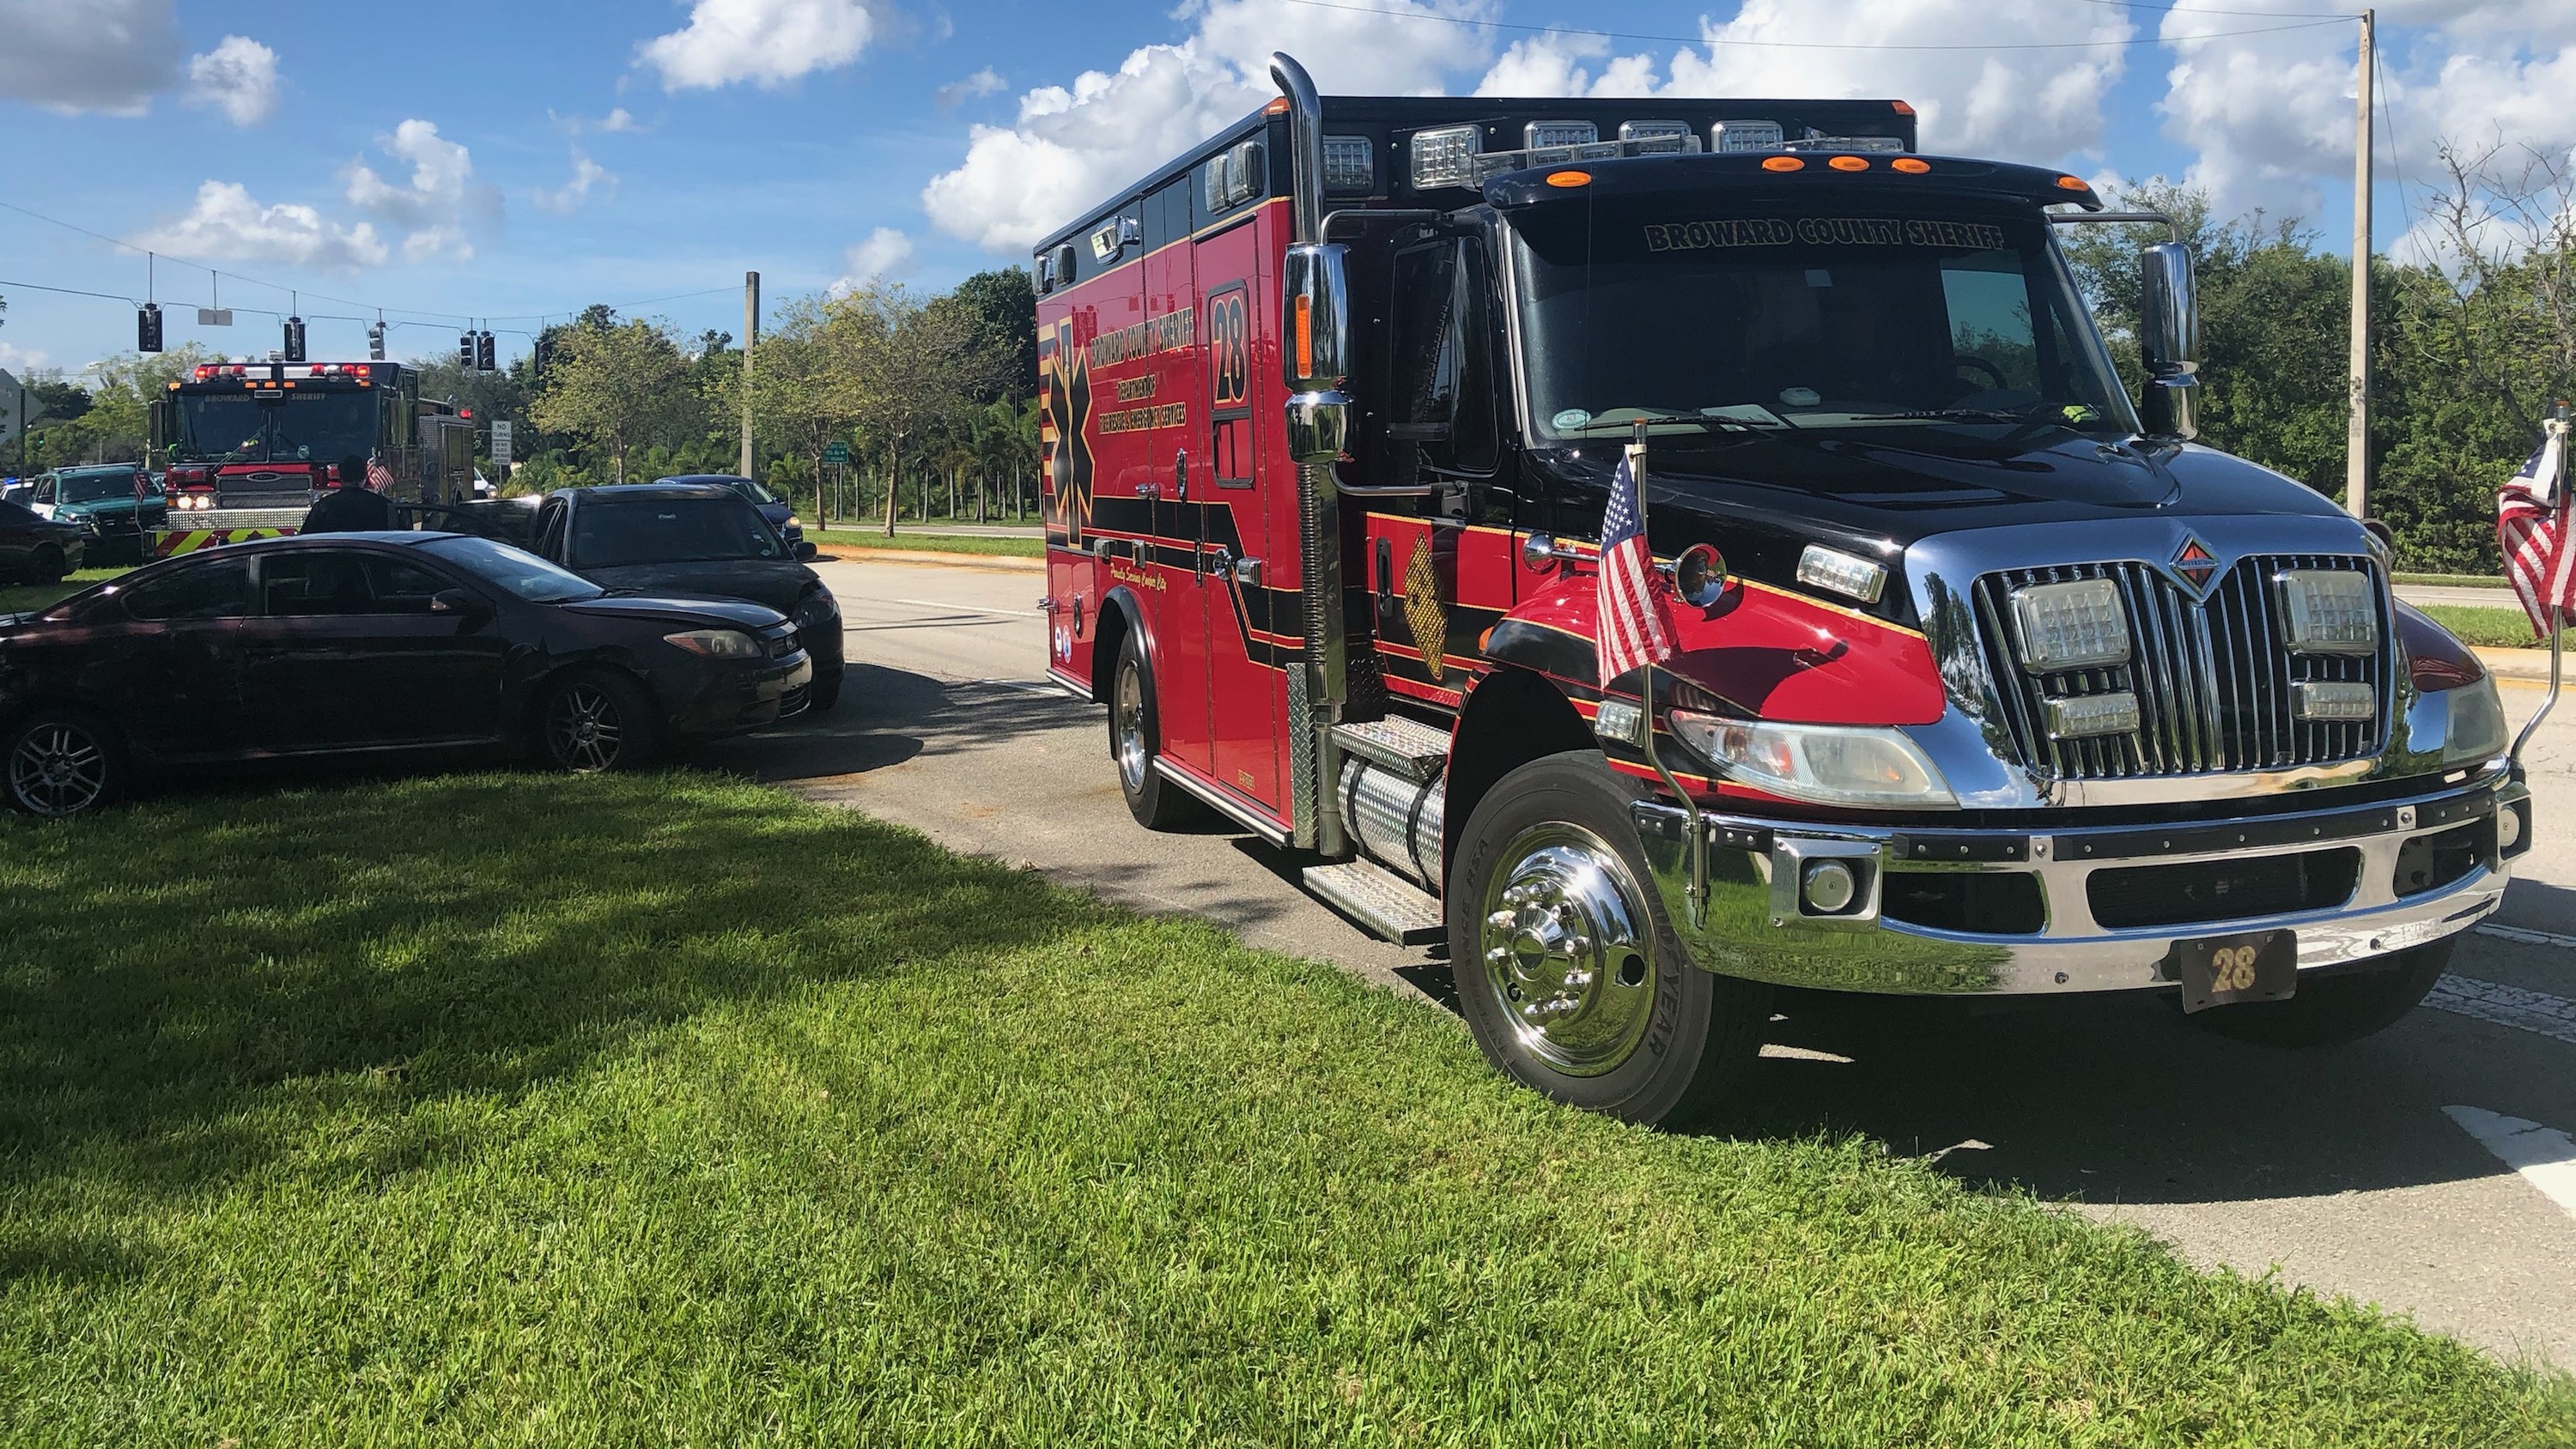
(1569, 178)
(1783, 163)
(1910, 165)
(1848, 163)
(2073, 183)
(1277, 107)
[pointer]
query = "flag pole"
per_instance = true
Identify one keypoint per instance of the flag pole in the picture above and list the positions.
(1697, 888)
(2557, 429)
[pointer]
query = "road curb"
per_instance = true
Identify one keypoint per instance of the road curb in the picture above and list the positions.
(2528, 665)
(1004, 562)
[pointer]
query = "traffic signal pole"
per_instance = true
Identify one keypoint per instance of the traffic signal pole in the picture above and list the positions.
(2356, 443)
(750, 335)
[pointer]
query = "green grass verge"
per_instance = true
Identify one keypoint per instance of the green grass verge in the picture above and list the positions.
(2457, 581)
(1033, 546)
(22, 598)
(2486, 628)
(516, 1110)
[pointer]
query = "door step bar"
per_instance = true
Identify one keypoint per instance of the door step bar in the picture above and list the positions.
(1390, 906)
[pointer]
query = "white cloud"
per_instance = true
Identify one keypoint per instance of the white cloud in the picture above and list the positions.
(96, 55)
(238, 77)
(1071, 145)
(2271, 116)
(2042, 105)
(587, 176)
(982, 83)
(618, 120)
(438, 201)
(21, 361)
(227, 225)
(771, 42)
(885, 255)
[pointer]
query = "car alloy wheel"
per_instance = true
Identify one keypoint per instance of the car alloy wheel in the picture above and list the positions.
(57, 769)
(585, 729)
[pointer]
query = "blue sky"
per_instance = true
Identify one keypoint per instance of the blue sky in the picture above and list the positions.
(506, 160)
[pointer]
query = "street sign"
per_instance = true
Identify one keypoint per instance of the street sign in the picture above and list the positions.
(214, 316)
(837, 454)
(12, 402)
(500, 443)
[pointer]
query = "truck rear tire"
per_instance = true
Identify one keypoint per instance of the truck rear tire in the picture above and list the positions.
(1135, 737)
(1567, 969)
(2330, 1010)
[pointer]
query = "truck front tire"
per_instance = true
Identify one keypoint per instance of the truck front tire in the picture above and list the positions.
(2344, 1006)
(1566, 968)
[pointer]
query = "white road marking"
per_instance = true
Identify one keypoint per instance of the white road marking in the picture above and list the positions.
(2545, 1156)
(952, 604)
(2527, 936)
(2536, 1012)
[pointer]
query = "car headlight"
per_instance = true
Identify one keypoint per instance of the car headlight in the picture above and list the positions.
(791, 521)
(815, 608)
(717, 643)
(1821, 764)
(2476, 731)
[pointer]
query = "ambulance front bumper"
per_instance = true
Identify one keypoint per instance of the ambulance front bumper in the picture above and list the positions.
(2001, 912)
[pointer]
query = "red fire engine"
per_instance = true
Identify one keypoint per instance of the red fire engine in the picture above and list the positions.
(1989, 680)
(253, 445)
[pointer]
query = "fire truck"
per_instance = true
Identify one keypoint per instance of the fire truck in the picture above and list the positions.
(1988, 680)
(252, 445)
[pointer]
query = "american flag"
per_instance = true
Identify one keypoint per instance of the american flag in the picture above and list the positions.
(2532, 528)
(379, 477)
(1633, 612)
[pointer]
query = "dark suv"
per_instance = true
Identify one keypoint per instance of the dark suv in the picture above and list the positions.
(777, 510)
(694, 538)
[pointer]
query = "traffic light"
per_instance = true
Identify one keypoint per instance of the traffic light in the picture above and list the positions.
(483, 353)
(465, 352)
(295, 339)
(540, 355)
(147, 328)
(376, 343)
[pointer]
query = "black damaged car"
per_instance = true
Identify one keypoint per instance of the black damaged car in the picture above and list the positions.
(372, 643)
(695, 539)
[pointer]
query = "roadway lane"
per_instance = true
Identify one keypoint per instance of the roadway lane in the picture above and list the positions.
(2341, 1168)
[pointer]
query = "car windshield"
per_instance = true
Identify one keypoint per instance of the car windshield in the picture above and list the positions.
(1696, 320)
(275, 427)
(610, 532)
(521, 573)
(744, 486)
(91, 487)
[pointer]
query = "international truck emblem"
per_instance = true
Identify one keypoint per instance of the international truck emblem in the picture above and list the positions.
(2195, 565)
(1423, 616)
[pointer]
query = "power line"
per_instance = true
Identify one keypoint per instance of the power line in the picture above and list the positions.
(71, 292)
(1811, 44)
(2182, 9)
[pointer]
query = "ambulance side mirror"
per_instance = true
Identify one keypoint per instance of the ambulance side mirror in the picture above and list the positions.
(1314, 351)
(2169, 340)
(160, 424)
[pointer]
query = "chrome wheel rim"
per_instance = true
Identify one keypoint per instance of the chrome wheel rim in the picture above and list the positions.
(1567, 952)
(584, 729)
(1127, 725)
(57, 769)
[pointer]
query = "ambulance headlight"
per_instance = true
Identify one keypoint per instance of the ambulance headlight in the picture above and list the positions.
(2070, 626)
(1821, 764)
(2475, 731)
(2328, 611)
(1445, 156)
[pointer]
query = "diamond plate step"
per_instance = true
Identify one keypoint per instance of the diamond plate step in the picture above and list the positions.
(1417, 751)
(1389, 905)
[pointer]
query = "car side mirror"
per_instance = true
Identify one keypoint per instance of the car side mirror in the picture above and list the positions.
(460, 603)
(806, 552)
(2169, 340)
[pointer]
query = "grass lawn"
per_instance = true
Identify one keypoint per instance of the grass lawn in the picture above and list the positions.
(21, 598)
(2459, 581)
(515, 1110)
(2506, 628)
(863, 536)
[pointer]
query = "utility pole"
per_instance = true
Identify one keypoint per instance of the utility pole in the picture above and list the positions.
(2356, 462)
(750, 335)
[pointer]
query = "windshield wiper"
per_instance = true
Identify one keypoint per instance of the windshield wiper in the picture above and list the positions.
(1739, 417)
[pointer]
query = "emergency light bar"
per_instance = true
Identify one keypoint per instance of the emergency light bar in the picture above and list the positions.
(1481, 168)
(1886, 145)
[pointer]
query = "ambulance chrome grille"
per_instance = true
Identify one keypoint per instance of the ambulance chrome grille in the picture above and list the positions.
(2212, 677)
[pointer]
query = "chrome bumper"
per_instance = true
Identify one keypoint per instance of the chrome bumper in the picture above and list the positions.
(1748, 920)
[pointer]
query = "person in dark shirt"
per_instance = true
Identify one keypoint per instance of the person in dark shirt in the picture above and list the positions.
(352, 507)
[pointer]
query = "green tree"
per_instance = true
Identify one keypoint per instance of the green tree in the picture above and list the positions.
(803, 390)
(613, 384)
(1003, 304)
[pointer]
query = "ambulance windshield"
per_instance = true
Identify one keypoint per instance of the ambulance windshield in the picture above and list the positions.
(1774, 319)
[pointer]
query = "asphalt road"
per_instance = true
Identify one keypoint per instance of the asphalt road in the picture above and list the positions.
(2466, 596)
(2353, 1171)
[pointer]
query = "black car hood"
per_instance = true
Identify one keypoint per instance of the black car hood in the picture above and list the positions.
(680, 609)
(1761, 500)
(777, 583)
